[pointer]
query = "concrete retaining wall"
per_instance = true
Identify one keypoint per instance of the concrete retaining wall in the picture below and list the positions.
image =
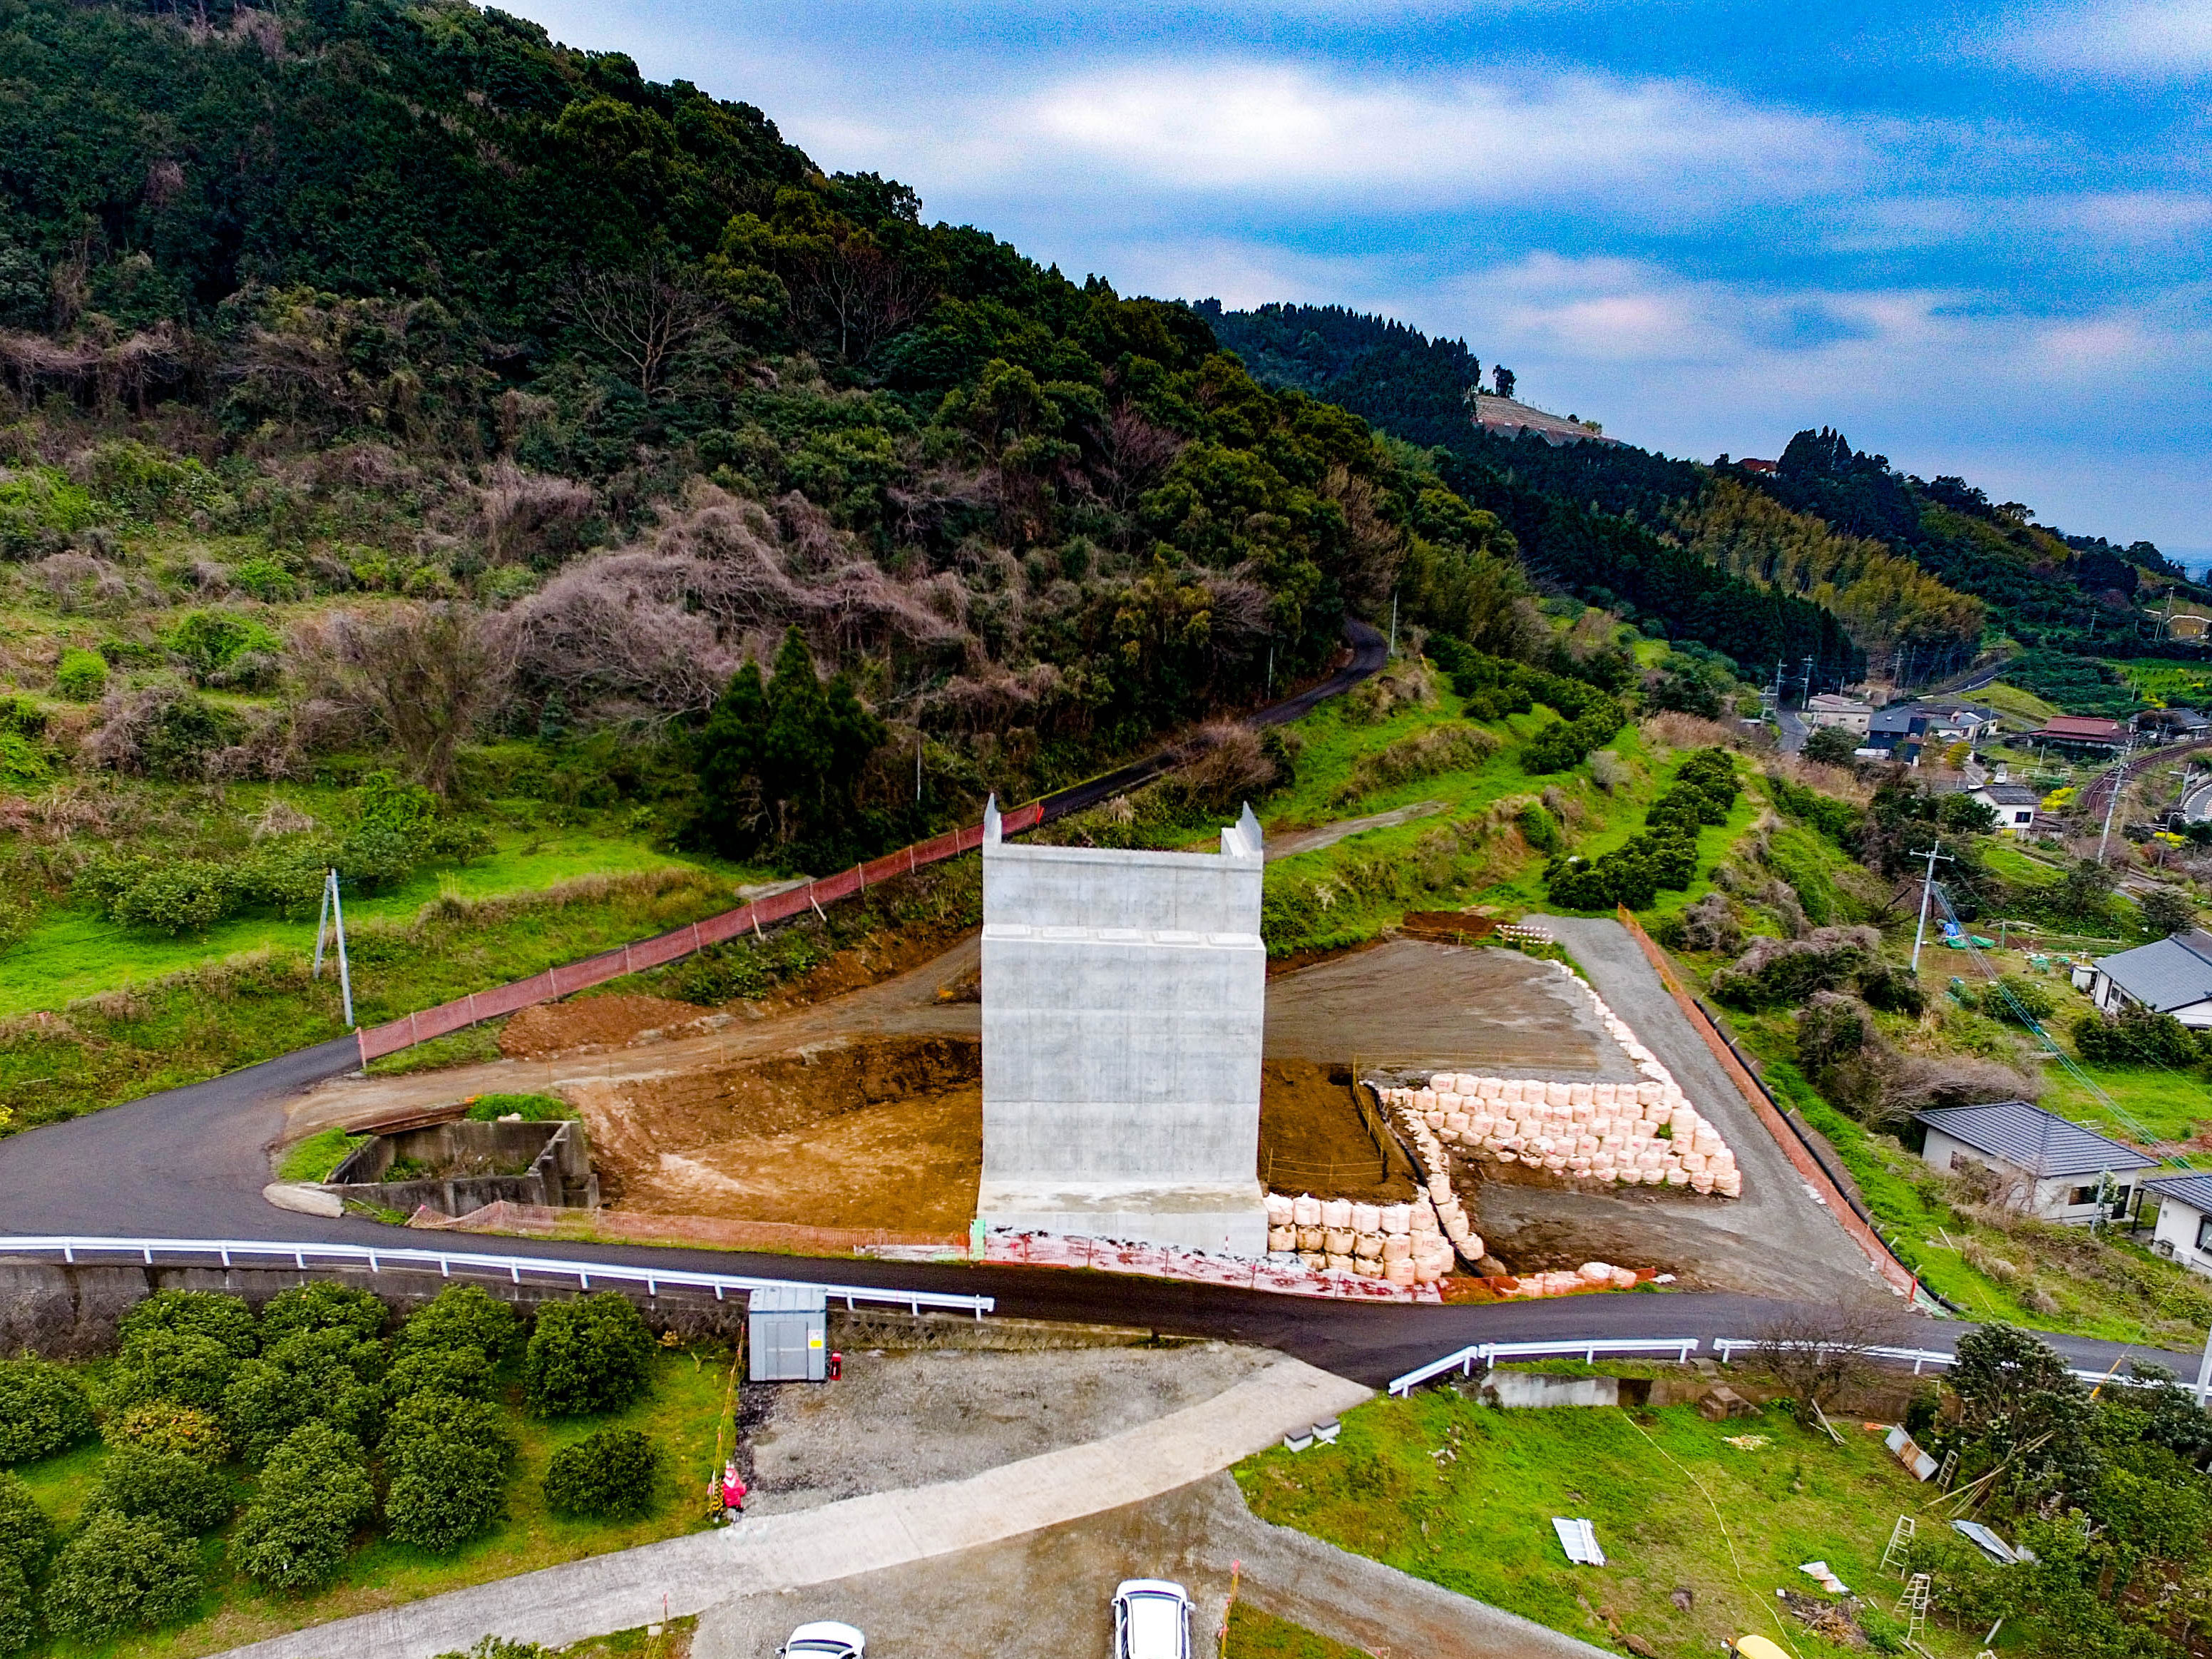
(1124, 999)
(557, 1171)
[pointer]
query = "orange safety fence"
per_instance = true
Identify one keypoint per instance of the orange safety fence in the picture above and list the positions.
(664, 948)
(1793, 1146)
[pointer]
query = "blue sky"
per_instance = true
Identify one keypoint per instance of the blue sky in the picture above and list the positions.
(1973, 237)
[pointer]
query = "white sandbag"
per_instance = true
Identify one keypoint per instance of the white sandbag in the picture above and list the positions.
(1280, 1211)
(1367, 1246)
(1596, 1273)
(1336, 1212)
(1282, 1238)
(1623, 1279)
(1306, 1211)
(1310, 1239)
(1579, 1094)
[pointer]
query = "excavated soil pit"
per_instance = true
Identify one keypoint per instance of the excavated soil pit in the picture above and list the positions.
(886, 1134)
(1312, 1138)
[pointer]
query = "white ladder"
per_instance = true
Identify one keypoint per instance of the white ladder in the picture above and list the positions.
(1912, 1606)
(1893, 1555)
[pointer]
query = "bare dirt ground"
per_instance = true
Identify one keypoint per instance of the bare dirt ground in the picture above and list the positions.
(830, 1114)
(1312, 1138)
(902, 1420)
(1295, 841)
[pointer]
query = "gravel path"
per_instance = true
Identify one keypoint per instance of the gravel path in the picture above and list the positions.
(1778, 1239)
(913, 1418)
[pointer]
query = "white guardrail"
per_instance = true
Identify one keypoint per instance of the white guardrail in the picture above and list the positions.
(1488, 1353)
(1726, 1346)
(379, 1259)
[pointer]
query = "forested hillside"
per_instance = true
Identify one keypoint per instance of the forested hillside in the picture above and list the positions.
(389, 377)
(1917, 573)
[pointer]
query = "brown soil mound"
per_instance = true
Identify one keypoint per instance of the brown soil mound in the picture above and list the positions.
(1312, 1138)
(607, 1022)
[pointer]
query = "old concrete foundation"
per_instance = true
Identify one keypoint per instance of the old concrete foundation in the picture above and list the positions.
(1124, 1002)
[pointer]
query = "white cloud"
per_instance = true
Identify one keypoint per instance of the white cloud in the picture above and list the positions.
(2155, 38)
(1282, 132)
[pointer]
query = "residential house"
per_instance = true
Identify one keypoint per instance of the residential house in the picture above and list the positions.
(1897, 730)
(2014, 803)
(2173, 976)
(1952, 720)
(2183, 1232)
(1903, 729)
(1847, 713)
(2043, 1164)
(2170, 724)
(2082, 733)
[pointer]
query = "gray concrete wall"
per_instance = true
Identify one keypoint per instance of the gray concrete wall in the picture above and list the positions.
(1124, 1003)
(557, 1156)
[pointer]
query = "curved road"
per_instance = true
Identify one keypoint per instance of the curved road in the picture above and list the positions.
(191, 1163)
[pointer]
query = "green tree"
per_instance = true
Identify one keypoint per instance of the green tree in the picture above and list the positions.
(2166, 911)
(225, 1319)
(447, 1460)
(42, 1409)
(461, 1316)
(314, 1491)
(180, 1492)
(26, 1533)
(612, 1475)
(593, 1354)
(1831, 745)
(780, 762)
(118, 1575)
(322, 1305)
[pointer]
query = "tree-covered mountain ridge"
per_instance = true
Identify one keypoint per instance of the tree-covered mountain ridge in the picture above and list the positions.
(1918, 570)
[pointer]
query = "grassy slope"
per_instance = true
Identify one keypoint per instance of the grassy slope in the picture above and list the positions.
(1464, 1497)
(1504, 874)
(683, 1414)
(73, 953)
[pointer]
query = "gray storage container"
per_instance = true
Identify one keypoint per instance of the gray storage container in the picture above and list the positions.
(788, 1329)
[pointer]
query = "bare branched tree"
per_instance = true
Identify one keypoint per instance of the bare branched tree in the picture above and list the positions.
(424, 674)
(642, 317)
(1818, 1350)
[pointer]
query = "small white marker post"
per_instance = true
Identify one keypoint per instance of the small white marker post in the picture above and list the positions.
(2204, 1373)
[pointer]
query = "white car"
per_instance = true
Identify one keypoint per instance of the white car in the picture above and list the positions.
(1151, 1619)
(825, 1638)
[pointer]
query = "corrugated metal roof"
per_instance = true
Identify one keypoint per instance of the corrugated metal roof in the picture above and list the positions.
(2194, 1190)
(2169, 975)
(2028, 1137)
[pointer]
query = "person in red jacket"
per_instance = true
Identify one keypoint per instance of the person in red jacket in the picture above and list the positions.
(733, 1492)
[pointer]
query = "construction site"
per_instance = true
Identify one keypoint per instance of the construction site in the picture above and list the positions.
(855, 1115)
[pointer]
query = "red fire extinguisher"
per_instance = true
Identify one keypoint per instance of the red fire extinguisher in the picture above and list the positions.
(836, 1364)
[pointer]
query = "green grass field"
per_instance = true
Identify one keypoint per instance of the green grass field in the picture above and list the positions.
(73, 953)
(2170, 1105)
(1462, 1496)
(683, 1413)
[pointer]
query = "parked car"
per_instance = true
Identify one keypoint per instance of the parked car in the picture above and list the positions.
(1151, 1619)
(825, 1638)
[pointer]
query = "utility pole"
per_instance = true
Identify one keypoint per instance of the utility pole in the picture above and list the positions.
(2119, 783)
(1808, 701)
(332, 919)
(1927, 889)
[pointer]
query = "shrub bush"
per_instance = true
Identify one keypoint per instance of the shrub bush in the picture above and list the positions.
(609, 1475)
(1539, 828)
(322, 1306)
(42, 1409)
(82, 676)
(2016, 1000)
(26, 1533)
(163, 1425)
(118, 1575)
(2138, 1037)
(447, 1460)
(183, 1494)
(464, 1372)
(311, 1376)
(1893, 987)
(19, 1622)
(178, 1366)
(531, 1109)
(314, 1491)
(589, 1355)
(224, 1319)
(463, 1316)
(1778, 972)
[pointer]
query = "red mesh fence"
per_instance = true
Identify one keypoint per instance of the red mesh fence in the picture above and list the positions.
(665, 948)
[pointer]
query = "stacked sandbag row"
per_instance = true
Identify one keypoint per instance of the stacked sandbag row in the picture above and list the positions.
(1629, 1134)
(1403, 1243)
(1450, 1214)
(1590, 1276)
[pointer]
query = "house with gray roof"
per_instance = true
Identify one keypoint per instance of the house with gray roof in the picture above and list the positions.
(2173, 976)
(2183, 1232)
(2043, 1163)
(2014, 803)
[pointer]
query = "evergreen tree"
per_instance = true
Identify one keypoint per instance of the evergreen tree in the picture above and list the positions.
(779, 761)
